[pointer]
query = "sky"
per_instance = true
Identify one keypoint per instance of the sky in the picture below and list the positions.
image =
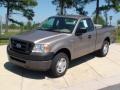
(46, 9)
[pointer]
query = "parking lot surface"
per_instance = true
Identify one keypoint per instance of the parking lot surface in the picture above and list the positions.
(86, 73)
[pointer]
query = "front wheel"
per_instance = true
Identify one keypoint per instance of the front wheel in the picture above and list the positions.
(60, 64)
(104, 50)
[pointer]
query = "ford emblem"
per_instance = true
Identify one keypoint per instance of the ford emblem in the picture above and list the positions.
(18, 45)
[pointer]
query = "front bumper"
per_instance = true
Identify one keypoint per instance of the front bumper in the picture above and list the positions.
(34, 61)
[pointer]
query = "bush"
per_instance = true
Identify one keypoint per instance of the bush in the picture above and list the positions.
(118, 35)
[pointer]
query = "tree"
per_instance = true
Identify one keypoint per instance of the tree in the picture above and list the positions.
(80, 10)
(118, 22)
(62, 5)
(28, 26)
(97, 11)
(77, 4)
(13, 26)
(80, 4)
(35, 25)
(115, 5)
(110, 4)
(100, 20)
(23, 7)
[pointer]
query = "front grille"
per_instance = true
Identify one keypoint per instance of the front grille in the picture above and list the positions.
(21, 46)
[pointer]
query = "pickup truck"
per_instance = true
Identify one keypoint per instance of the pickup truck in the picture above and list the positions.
(57, 41)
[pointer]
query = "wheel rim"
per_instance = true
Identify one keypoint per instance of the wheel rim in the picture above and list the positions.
(105, 48)
(61, 65)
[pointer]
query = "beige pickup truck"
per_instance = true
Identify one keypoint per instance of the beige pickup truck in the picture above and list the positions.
(57, 41)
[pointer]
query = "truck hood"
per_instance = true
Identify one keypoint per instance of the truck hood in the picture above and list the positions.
(39, 36)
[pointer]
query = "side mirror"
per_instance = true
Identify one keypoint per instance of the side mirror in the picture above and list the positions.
(80, 31)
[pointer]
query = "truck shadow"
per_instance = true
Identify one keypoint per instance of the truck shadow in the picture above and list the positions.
(24, 72)
(41, 75)
(81, 60)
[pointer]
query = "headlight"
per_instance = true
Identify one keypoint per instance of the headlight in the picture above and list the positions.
(42, 48)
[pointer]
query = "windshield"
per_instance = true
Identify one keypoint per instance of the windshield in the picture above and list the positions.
(59, 24)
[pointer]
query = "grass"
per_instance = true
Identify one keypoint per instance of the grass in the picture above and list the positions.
(5, 37)
(3, 42)
(118, 39)
(9, 34)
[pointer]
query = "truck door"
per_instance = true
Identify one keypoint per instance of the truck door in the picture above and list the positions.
(86, 41)
(91, 32)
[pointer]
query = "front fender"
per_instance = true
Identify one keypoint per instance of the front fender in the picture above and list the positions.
(62, 45)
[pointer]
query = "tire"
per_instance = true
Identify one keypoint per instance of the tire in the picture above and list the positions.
(60, 61)
(104, 50)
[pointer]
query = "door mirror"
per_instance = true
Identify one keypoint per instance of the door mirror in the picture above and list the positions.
(80, 31)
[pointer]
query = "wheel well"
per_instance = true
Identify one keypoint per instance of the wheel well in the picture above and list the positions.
(66, 51)
(107, 39)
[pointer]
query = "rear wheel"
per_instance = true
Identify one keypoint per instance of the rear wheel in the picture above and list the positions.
(60, 64)
(104, 50)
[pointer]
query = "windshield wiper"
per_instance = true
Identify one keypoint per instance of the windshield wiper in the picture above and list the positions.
(50, 30)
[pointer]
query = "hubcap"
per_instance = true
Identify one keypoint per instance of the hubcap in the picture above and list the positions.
(105, 48)
(61, 65)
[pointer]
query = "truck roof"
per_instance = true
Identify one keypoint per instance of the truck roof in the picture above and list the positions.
(72, 16)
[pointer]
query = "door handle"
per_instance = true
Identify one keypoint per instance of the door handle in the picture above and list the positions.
(89, 36)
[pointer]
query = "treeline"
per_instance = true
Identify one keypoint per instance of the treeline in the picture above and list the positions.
(25, 8)
(18, 7)
(79, 5)
(27, 26)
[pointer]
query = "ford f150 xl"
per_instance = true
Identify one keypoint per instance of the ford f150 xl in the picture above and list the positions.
(57, 41)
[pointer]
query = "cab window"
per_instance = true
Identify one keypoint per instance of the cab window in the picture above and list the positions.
(86, 23)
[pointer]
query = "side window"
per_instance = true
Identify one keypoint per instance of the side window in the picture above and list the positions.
(90, 25)
(83, 24)
(86, 23)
